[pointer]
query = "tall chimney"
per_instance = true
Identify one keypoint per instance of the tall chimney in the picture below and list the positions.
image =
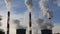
(8, 22)
(30, 24)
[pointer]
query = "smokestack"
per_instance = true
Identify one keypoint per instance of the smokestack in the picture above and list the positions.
(8, 26)
(29, 5)
(30, 23)
(30, 19)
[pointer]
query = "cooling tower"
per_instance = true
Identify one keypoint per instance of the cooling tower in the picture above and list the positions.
(46, 31)
(2, 32)
(20, 31)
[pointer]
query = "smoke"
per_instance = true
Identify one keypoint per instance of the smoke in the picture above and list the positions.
(17, 22)
(15, 25)
(4, 20)
(47, 24)
(44, 8)
(8, 4)
(43, 23)
(57, 2)
(40, 21)
(29, 5)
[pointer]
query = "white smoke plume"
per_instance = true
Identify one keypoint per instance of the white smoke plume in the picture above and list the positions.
(43, 23)
(47, 24)
(57, 2)
(44, 8)
(4, 20)
(29, 5)
(8, 4)
(40, 21)
(17, 22)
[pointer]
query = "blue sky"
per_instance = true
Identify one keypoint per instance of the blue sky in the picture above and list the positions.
(19, 7)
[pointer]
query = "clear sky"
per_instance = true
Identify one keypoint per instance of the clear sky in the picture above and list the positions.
(19, 7)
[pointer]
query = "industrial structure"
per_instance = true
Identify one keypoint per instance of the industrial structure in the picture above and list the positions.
(8, 26)
(30, 23)
(21, 31)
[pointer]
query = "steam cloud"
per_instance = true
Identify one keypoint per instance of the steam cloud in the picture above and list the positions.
(45, 24)
(8, 4)
(17, 22)
(29, 5)
(44, 9)
(57, 2)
